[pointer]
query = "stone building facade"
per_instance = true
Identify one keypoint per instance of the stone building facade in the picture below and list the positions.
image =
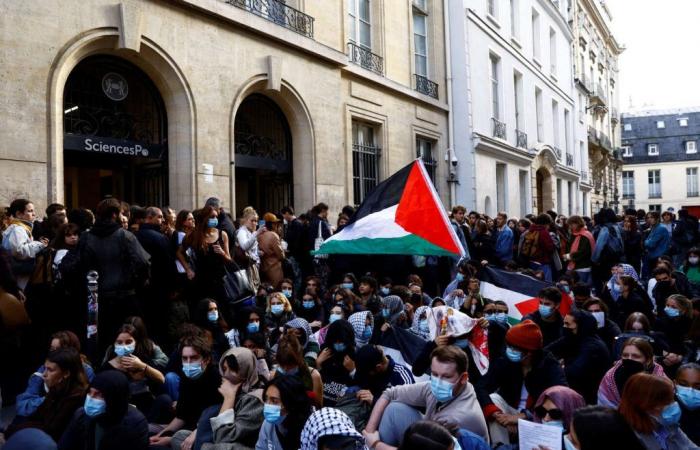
(661, 160)
(596, 52)
(514, 107)
(260, 102)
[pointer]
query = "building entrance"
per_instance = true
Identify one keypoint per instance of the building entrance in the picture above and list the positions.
(115, 135)
(263, 156)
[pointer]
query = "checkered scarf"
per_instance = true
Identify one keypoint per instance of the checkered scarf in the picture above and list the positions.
(357, 321)
(302, 324)
(329, 422)
(415, 326)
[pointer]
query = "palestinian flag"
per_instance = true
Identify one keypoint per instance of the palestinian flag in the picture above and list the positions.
(518, 291)
(401, 216)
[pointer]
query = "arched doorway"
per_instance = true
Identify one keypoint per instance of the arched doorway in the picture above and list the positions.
(263, 155)
(545, 198)
(115, 135)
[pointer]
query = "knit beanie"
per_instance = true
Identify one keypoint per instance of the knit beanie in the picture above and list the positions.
(526, 335)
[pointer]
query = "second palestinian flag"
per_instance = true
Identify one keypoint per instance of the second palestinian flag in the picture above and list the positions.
(402, 216)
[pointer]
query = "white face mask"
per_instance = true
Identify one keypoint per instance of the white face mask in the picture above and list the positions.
(693, 260)
(600, 318)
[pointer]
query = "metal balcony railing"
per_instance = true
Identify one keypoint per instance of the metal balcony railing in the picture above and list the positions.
(499, 128)
(365, 58)
(584, 176)
(425, 86)
(570, 160)
(628, 196)
(693, 194)
(583, 80)
(520, 139)
(279, 13)
(593, 135)
(654, 193)
(605, 141)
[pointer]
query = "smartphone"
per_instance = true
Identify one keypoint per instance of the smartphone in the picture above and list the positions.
(261, 223)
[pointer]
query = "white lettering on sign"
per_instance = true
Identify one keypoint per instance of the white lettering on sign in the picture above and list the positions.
(100, 147)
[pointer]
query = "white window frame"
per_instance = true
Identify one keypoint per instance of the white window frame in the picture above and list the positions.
(514, 20)
(426, 150)
(494, 76)
(691, 175)
(518, 100)
(654, 179)
(628, 127)
(492, 8)
(539, 113)
(536, 41)
(655, 207)
(691, 147)
(683, 122)
(653, 149)
(552, 52)
(356, 22)
(627, 151)
(627, 184)
(660, 124)
(420, 16)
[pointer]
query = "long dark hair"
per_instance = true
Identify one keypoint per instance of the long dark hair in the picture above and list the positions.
(147, 345)
(291, 353)
(298, 406)
(68, 359)
(140, 349)
(180, 219)
(426, 435)
(196, 239)
(66, 229)
(598, 427)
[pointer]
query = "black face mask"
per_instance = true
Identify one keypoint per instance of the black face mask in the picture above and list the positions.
(627, 369)
(632, 366)
(569, 333)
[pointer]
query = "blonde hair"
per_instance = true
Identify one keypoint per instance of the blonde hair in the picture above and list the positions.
(248, 212)
(282, 298)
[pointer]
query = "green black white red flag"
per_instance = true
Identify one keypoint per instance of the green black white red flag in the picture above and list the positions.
(403, 215)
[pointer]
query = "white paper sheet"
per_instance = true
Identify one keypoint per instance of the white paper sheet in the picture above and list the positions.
(533, 436)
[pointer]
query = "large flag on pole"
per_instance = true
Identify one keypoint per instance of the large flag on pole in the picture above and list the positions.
(403, 215)
(517, 290)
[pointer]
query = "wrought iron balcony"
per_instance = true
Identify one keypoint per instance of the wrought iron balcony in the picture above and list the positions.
(598, 95)
(570, 160)
(425, 86)
(654, 193)
(557, 150)
(499, 128)
(279, 13)
(593, 135)
(584, 176)
(584, 82)
(628, 196)
(605, 142)
(365, 58)
(693, 194)
(520, 139)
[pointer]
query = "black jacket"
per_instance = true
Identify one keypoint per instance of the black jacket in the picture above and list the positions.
(506, 378)
(116, 254)
(675, 331)
(156, 244)
(197, 395)
(294, 235)
(226, 224)
(551, 331)
(690, 423)
(586, 357)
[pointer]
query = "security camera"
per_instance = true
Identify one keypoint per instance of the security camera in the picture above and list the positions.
(453, 159)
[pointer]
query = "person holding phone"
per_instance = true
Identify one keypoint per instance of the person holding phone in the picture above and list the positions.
(247, 239)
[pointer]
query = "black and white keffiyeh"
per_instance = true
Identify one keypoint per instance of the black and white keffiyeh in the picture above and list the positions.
(329, 422)
(358, 322)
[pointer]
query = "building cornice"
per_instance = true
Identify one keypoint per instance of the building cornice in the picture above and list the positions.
(516, 53)
(501, 149)
(558, 17)
(601, 25)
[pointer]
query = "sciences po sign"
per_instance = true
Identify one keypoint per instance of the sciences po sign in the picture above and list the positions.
(110, 146)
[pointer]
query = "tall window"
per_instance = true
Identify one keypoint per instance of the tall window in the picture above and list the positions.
(552, 51)
(365, 160)
(560, 196)
(523, 176)
(424, 151)
(492, 8)
(514, 25)
(567, 131)
(518, 98)
(420, 42)
(692, 181)
(501, 186)
(538, 113)
(555, 123)
(360, 24)
(655, 183)
(570, 194)
(495, 90)
(627, 184)
(535, 35)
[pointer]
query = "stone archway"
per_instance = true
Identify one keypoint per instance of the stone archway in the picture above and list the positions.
(543, 180)
(298, 118)
(167, 78)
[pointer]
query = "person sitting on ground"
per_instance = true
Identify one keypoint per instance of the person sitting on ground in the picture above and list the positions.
(513, 382)
(336, 362)
(430, 435)
(290, 361)
(448, 398)
(548, 315)
(279, 311)
(330, 429)
(107, 420)
(363, 324)
(688, 395)
(377, 372)
(556, 407)
(286, 410)
(607, 330)
(302, 330)
(496, 312)
(598, 427)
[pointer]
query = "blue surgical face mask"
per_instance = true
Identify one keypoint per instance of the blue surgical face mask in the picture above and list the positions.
(672, 312)
(213, 222)
(670, 415)
(690, 397)
(423, 325)
(192, 370)
(441, 389)
(367, 333)
(213, 316)
(293, 371)
(462, 343)
(287, 293)
(568, 445)
(277, 309)
(308, 304)
(272, 413)
(334, 317)
(386, 313)
(346, 285)
(502, 317)
(124, 350)
(555, 423)
(459, 277)
(545, 311)
(385, 291)
(253, 327)
(94, 406)
(514, 355)
(339, 347)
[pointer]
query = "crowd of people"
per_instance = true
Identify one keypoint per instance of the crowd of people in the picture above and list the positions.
(214, 332)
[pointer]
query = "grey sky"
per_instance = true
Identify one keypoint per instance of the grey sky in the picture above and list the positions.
(660, 68)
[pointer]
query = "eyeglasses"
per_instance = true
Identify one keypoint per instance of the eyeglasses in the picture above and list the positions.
(554, 413)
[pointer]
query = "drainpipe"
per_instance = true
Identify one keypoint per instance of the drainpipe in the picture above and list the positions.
(452, 178)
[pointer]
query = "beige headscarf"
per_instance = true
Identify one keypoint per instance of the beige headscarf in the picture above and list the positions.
(247, 369)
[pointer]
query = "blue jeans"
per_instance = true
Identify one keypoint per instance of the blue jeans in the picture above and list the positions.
(545, 268)
(396, 419)
(172, 385)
